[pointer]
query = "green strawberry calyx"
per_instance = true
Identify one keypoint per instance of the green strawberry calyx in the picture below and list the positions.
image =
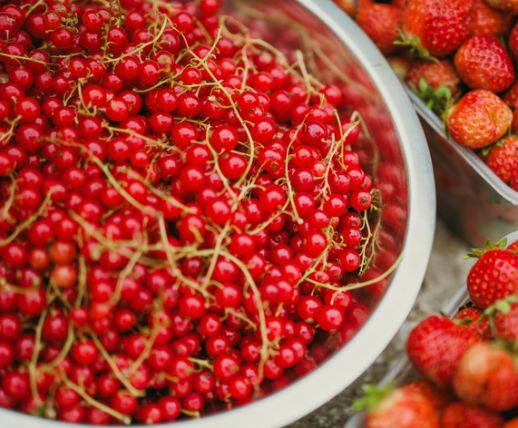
(479, 252)
(439, 100)
(414, 46)
(502, 306)
(372, 396)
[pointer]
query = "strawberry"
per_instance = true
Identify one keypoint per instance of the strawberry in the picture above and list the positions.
(504, 314)
(505, 5)
(513, 423)
(513, 42)
(404, 407)
(513, 248)
(435, 74)
(488, 21)
(435, 347)
(503, 160)
(493, 277)
(348, 6)
(483, 63)
(438, 398)
(479, 119)
(436, 27)
(435, 83)
(511, 96)
(473, 319)
(380, 22)
(460, 415)
(487, 376)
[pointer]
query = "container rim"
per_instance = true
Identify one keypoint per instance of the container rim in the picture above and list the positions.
(347, 364)
(505, 191)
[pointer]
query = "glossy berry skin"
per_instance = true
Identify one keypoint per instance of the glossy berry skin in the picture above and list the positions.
(380, 22)
(505, 323)
(435, 347)
(459, 414)
(503, 160)
(490, 114)
(435, 74)
(493, 277)
(487, 375)
(440, 26)
(488, 21)
(482, 62)
(405, 408)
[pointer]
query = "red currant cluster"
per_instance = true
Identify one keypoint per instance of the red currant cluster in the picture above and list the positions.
(180, 208)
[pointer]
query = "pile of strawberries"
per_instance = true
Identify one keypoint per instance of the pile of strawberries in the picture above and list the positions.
(459, 56)
(183, 212)
(469, 363)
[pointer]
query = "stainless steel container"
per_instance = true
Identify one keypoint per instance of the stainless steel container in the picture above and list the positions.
(403, 371)
(471, 199)
(399, 160)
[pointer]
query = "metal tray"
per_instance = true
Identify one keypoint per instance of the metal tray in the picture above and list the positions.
(403, 371)
(471, 199)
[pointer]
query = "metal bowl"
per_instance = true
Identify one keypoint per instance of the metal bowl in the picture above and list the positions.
(400, 162)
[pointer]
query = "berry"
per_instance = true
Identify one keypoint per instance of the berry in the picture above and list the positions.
(435, 347)
(493, 277)
(458, 415)
(435, 74)
(486, 375)
(437, 27)
(503, 160)
(380, 22)
(479, 119)
(404, 408)
(483, 63)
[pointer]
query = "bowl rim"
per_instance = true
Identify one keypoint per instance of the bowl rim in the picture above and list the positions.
(346, 365)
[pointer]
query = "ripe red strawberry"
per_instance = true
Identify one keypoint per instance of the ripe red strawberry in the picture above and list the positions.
(505, 5)
(460, 415)
(503, 160)
(505, 319)
(513, 42)
(473, 319)
(493, 277)
(511, 98)
(483, 63)
(488, 21)
(437, 26)
(435, 74)
(479, 119)
(513, 247)
(404, 407)
(380, 22)
(435, 347)
(438, 398)
(487, 376)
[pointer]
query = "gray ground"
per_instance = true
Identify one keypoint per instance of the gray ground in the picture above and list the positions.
(446, 273)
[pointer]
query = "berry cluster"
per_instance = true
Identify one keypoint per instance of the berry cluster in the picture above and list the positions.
(451, 54)
(180, 208)
(469, 361)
